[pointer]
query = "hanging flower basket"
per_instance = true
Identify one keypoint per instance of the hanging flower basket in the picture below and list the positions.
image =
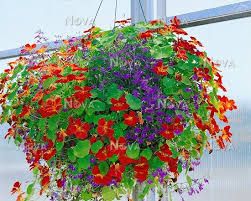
(137, 104)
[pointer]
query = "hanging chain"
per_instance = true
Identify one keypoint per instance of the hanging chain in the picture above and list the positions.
(142, 10)
(97, 12)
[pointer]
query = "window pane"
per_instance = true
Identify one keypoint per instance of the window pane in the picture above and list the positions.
(175, 7)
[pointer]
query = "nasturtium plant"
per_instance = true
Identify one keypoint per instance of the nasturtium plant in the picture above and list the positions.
(136, 105)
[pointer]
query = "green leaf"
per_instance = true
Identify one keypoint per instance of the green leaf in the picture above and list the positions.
(133, 151)
(189, 180)
(113, 92)
(67, 71)
(134, 102)
(161, 52)
(71, 155)
(156, 163)
(168, 83)
(179, 168)
(97, 106)
(86, 196)
(59, 146)
(108, 194)
(113, 159)
(82, 148)
(96, 146)
(48, 82)
(29, 189)
(84, 163)
(147, 153)
(103, 167)
(96, 93)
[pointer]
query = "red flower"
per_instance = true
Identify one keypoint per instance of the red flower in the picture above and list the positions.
(146, 35)
(226, 104)
(160, 69)
(45, 181)
(49, 154)
(181, 54)
(125, 160)
(119, 105)
(116, 171)
(82, 93)
(175, 22)
(103, 154)
(226, 135)
(131, 119)
(16, 187)
(28, 48)
(25, 111)
(141, 169)
(50, 107)
(78, 128)
(165, 154)
(99, 178)
(71, 77)
(77, 68)
(167, 131)
(60, 183)
(123, 22)
(61, 135)
(203, 73)
(170, 129)
(105, 128)
(198, 122)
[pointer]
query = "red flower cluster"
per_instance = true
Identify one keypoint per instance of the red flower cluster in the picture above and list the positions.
(141, 169)
(82, 93)
(78, 128)
(169, 130)
(50, 107)
(165, 155)
(114, 174)
(119, 105)
(131, 119)
(105, 128)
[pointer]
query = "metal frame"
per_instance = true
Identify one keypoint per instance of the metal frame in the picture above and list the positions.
(208, 16)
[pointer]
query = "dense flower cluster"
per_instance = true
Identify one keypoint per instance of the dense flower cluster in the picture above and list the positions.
(137, 104)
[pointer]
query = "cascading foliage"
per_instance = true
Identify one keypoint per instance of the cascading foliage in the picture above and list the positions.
(136, 104)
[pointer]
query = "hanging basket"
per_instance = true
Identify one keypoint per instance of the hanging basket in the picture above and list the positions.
(136, 104)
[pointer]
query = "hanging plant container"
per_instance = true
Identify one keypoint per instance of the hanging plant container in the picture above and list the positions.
(133, 105)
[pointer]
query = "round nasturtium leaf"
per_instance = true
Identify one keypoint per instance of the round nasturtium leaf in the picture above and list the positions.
(83, 163)
(133, 151)
(96, 146)
(134, 102)
(82, 148)
(147, 153)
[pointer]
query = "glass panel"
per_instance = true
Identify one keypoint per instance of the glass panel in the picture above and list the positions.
(175, 7)
(229, 43)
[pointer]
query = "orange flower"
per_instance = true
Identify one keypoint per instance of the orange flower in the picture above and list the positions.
(50, 107)
(16, 187)
(226, 104)
(25, 111)
(28, 48)
(146, 35)
(160, 69)
(226, 135)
